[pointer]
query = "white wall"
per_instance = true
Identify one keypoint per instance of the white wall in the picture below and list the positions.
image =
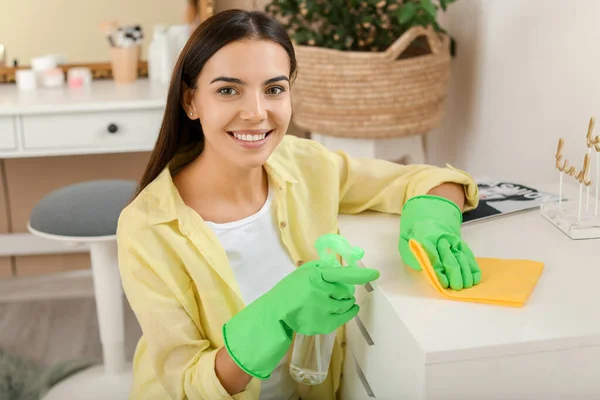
(527, 72)
(72, 27)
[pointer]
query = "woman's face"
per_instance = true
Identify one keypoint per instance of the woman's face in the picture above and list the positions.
(243, 101)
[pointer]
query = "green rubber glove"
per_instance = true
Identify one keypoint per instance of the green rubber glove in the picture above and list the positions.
(311, 300)
(434, 222)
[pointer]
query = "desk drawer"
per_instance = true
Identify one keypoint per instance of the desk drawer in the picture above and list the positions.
(364, 352)
(385, 351)
(8, 138)
(109, 129)
(354, 384)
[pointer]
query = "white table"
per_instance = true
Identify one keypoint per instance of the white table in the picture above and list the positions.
(428, 347)
(100, 119)
(64, 121)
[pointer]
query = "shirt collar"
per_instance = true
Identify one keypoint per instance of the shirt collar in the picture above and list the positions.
(165, 203)
(164, 200)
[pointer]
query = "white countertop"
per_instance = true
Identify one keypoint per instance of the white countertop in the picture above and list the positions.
(99, 96)
(562, 311)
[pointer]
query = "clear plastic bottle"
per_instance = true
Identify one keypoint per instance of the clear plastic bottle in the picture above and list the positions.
(311, 355)
(178, 37)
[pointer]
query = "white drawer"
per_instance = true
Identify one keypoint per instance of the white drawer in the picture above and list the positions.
(8, 138)
(384, 350)
(98, 130)
(365, 352)
(354, 384)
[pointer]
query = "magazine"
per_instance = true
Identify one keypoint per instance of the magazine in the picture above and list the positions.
(499, 198)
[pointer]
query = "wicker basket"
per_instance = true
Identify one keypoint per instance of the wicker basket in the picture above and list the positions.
(372, 95)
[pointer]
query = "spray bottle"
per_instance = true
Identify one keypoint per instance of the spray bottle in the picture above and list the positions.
(311, 355)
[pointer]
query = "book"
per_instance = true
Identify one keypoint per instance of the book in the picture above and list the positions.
(498, 198)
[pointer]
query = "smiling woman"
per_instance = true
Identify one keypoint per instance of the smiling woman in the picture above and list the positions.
(215, 249)
(223, 96)
(245, 100)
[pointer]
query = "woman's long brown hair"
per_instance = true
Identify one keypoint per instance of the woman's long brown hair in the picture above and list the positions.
(177, 130)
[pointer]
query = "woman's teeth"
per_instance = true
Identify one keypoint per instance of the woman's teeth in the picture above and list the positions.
(250, 138)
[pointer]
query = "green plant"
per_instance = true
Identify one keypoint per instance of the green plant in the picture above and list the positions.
(356, 25)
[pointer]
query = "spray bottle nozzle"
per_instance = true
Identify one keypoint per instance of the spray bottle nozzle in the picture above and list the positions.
(330, 244)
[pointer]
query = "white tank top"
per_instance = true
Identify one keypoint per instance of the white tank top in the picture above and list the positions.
(259, 260)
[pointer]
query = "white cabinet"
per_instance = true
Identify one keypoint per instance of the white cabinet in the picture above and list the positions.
(8, 133)
(354, 384)
(411, 343)
(384, 350)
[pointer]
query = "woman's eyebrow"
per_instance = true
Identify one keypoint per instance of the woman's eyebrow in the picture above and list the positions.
(277, 79)
(240, 82)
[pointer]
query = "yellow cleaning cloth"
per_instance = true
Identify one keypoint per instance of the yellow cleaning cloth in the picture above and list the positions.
(503, 282)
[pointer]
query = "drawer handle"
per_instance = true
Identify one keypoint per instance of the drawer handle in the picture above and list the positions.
(113, 128)
(363, 379)
(368, 287)
(363, 331)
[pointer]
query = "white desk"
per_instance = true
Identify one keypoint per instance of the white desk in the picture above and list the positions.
(428, 347)
(65, 121)
(103, 118)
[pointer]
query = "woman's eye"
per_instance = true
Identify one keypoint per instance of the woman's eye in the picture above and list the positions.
(275, 90)
(227, 91)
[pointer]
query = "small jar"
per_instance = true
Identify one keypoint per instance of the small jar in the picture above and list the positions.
(53, 77)
(78, 77)
(26, 79)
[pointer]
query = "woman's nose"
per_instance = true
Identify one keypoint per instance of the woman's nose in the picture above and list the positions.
(254, 109)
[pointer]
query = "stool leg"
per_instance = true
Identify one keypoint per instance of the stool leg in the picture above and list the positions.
(109, 304)
(415, 147)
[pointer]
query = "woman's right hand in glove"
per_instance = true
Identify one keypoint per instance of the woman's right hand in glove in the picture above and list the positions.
(311, 300)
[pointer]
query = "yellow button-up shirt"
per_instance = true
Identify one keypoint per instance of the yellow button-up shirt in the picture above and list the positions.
(178, 280)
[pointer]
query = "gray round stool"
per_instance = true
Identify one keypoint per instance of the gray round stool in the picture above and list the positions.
(88, 213)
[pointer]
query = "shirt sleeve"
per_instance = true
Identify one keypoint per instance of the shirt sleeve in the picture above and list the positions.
(384, 186)
(181, 357)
